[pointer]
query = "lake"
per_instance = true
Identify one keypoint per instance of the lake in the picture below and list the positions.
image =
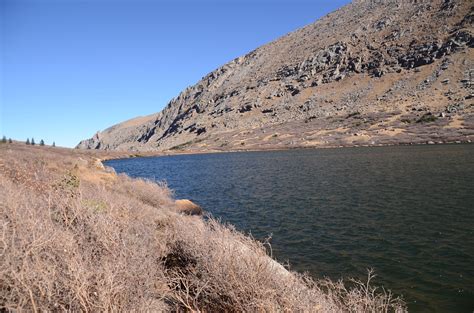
(405, 211)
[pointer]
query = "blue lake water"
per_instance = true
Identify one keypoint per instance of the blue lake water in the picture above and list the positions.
(406, 211)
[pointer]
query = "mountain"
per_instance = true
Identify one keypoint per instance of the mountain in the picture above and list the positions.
(370, 73)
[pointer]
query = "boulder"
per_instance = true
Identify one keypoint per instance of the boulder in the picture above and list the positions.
(187, 207)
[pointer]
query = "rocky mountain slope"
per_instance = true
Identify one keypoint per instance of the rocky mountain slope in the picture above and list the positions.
(370, 73)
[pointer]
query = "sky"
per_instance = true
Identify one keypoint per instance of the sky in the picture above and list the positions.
(69, 68)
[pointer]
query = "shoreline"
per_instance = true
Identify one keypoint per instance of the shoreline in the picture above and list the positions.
(151, 154)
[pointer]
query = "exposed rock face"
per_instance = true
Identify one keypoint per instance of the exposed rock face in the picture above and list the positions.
(364, 74)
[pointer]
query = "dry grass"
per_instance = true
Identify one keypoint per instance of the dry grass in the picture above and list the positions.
(77, 237)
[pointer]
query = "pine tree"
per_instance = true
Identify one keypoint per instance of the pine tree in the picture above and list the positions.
(32, 141)
(27, 141)
(54, 144)
(10, 140)
(4, 139)
(42, 142)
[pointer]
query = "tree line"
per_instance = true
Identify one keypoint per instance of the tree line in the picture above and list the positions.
(28, 141)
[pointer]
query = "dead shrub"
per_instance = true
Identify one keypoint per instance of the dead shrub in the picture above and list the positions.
(156, 194)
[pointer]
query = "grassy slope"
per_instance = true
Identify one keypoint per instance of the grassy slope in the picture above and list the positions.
(76, 236)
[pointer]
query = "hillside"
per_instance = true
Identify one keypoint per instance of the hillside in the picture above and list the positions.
(369, 73)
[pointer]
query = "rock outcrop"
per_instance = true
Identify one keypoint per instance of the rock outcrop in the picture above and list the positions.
(365, 74)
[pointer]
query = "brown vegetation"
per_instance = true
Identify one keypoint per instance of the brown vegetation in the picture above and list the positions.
(75, 236)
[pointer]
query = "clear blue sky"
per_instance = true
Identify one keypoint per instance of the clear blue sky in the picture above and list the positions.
(72, 67)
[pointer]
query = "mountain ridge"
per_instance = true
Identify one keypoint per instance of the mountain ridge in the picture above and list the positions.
(368, 73)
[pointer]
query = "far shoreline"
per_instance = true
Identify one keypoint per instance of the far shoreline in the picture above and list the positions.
(151, 154)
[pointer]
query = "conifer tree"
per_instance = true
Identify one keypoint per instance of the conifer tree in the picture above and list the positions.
(4, 139)
(42, 142)
(32, 141)
(10, 140)
(54, 144)
(27, 141)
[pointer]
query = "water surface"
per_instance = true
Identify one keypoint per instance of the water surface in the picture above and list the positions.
(407, 212)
